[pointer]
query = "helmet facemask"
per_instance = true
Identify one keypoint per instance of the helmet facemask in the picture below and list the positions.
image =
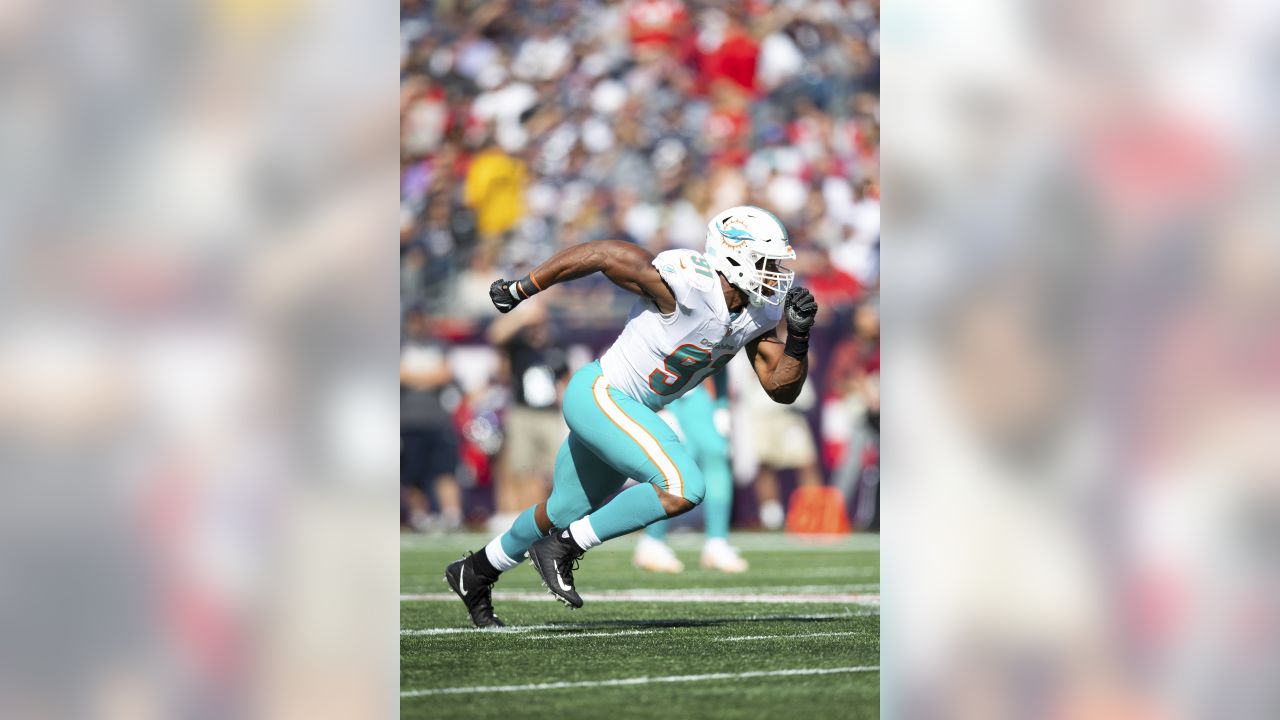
(775, 280)
(764, 279)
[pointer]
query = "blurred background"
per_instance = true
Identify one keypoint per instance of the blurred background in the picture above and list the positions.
(530, 126)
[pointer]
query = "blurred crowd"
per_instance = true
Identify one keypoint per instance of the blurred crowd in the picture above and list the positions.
(529, 126)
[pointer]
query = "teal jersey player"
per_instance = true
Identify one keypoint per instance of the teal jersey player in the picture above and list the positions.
(694, 313)
(700, 419)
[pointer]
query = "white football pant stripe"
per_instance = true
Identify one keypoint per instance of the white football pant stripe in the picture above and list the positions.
(636, 431)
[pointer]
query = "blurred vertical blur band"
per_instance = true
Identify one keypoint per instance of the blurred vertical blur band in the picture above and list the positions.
(198, 339)
(1081, 496)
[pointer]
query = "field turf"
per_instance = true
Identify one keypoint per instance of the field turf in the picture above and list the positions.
(797, 636)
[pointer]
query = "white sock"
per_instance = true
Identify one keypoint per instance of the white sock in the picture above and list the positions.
(581, 532)
(452, 519)
(498, 557)
(772, 516)
(715, 545)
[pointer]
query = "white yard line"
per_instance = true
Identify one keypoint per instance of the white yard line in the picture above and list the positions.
(734, 590)
(824, 588)
(672, 596)
(811, 572)
(637, 681)
(521, 629)
(570, 636)
(736, 638)
(495, 631)
(809, 616)
(783, 543)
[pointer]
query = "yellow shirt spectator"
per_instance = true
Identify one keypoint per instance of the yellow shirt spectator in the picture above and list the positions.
(495, 190)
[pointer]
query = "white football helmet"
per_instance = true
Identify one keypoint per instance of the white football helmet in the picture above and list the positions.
(746, 244)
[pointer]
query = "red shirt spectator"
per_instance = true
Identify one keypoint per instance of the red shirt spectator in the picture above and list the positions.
(858, 356)
(656, 24)
(734, 61)
(833, 287)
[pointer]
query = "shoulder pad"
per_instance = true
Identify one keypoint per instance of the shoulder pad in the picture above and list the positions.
(688, 275)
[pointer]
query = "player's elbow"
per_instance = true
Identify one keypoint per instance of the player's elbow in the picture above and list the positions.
(604, 258)
(784, 395)
(617, 257)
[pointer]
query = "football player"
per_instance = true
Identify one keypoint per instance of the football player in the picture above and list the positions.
(700, 420)
(695, 312)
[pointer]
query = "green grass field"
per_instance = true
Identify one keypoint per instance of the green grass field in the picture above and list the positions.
(798, 635)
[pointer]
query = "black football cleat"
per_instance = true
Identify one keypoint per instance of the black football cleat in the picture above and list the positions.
(556, 557)
(476, 591)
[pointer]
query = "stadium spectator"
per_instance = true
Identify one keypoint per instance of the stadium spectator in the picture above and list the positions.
(428, 441)
(470, 291)
(424, 117)
(729, 66)
(657, 28)
(859, 217)
(783, 440)
(853, 382)
(536, 367)
(495, 190)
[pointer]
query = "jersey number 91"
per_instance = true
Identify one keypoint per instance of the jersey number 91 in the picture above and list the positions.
(680, 366)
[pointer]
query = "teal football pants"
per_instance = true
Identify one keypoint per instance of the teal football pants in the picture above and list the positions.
(612, 437)
(695, 415)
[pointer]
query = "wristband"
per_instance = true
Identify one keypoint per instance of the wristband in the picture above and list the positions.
(797, 345)
(525, 288)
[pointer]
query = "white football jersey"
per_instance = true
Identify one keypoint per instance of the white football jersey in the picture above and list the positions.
(658, 358)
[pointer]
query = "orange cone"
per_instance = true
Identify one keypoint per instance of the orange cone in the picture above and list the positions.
(817, 511)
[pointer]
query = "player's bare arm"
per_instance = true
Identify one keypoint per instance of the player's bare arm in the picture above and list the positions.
(628, 266)
(782, 368)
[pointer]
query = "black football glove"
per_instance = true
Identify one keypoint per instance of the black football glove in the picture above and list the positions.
(500, 294)
(802, 309)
